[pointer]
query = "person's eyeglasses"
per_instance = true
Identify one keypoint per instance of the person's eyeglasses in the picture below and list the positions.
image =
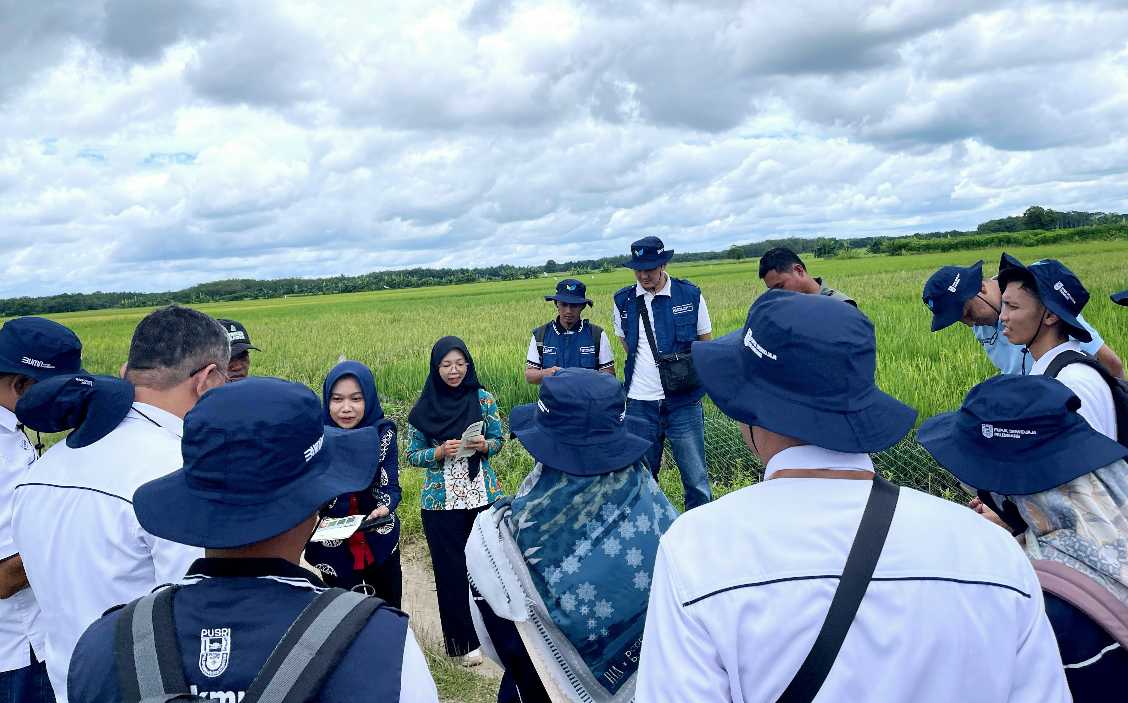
(458, 365)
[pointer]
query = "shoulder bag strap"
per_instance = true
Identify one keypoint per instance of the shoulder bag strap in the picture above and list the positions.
(312, 647)
(856, 575)
(148, 658)
(1062, 360)
(641, 302)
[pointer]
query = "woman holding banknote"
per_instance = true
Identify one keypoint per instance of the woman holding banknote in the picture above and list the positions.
(452, 431)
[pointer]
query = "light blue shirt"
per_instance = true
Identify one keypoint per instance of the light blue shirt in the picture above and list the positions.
(1008, 357)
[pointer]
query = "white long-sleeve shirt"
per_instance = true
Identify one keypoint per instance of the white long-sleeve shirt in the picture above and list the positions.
(82, 547)
(742, 585)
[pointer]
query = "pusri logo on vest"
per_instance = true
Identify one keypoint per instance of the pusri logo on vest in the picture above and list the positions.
(215, 651)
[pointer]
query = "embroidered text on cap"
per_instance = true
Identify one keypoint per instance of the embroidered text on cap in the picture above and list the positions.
(955, 284)
(751, 343)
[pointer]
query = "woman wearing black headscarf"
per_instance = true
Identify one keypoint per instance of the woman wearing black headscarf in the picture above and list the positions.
(458, 483)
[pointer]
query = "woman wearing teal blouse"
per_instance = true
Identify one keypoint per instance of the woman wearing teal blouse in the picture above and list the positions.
(455, 488)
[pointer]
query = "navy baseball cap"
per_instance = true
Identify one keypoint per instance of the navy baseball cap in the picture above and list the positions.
(39, 348)
(803, 366)
(1058, 289)
(258, 460)
(91, 406)
(1017, 435)
(948, 290)
(238, 336)
(648, 253)
(578, 424)
(1120, 298)
(570, 291)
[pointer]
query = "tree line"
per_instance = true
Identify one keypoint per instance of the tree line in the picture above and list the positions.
(1035, 226)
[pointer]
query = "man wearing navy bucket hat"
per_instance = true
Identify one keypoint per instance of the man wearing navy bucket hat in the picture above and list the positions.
(1059, 485)
(657, 320)
(569, 341)
(258, 466)
(961, 294)
(32, 350)
(568, 560)
(937, 603)
(1041, 306)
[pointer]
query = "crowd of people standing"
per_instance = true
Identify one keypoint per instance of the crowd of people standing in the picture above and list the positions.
(197, 536)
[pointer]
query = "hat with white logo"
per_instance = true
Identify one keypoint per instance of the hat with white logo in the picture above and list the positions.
(39, 348)
(570, 291)
(237, 334)
(578, 425)
(258, 460)
(1017, 435)
(91, 406)
(1058, 288)
(1120, 298)
(803, 366)
(948, 290)
(648, 253)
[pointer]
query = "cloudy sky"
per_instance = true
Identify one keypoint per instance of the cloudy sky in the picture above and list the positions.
(153, 144)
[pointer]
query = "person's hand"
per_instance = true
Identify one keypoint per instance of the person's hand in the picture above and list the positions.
(551, 371)
(380, 512)
(448, 448)
(480, 445)
(981, 508)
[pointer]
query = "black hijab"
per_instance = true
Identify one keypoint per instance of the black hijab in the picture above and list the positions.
(442, 412)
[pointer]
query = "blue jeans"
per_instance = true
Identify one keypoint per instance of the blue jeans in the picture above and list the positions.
(26, 685)
(684, 427)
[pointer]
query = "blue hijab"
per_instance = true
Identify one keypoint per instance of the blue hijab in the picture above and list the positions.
(373, 412)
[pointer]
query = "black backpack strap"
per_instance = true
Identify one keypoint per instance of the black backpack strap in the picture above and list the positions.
(1066, 358)
(597, 335)
(145, 649)
(856, 575)
(1116, 386)
(312, 647)
(538, 335)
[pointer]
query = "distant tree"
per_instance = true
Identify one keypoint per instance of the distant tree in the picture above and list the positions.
(1037, 217)
(735, 252)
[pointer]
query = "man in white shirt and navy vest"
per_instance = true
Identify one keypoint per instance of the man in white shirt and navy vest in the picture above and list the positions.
(657, 320)
(950, 608)
(570, 340)
(32, 349)
(82, 546)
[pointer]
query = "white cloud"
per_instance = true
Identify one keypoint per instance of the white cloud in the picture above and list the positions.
(149, 146)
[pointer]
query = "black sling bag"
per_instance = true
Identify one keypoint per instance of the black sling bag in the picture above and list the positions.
(676, 371)
(856, 576)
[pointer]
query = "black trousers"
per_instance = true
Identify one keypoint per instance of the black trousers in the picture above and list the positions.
(521, 682)
(447, 532)
(385, 580)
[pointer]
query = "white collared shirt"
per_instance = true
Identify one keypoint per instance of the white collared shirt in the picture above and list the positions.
(17, 612)
(742, 586)
(1097, 406)
(645, 382)
(82, 547)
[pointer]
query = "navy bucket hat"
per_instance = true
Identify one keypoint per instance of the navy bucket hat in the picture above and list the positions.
(571, 292)
(648, 253)
(1058, 289)
(1017, 435)
(258, 460)
(803, 366)
(578, 424)
(39, 348)
(948, 290)
(1120, 298)
(91, 406)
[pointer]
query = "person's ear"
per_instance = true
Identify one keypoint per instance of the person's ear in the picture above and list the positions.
(207, 379)
(21, 384)
(1051, 319)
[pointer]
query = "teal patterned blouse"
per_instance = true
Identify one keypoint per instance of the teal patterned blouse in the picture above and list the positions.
(448, 486)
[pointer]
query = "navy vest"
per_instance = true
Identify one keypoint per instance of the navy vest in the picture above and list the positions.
(239, 619)
(675, 326)
(569, 350)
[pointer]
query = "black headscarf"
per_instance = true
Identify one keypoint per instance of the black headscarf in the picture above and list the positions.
(442, 412)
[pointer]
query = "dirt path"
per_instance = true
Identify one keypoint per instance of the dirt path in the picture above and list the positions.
(421, 603)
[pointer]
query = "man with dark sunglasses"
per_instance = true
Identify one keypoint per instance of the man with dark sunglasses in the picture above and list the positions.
(962, 294)
(82, 546)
